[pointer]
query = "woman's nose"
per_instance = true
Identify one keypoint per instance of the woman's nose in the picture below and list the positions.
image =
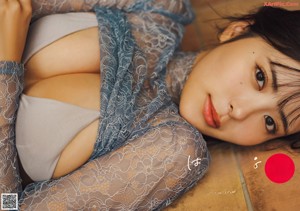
(241, 108)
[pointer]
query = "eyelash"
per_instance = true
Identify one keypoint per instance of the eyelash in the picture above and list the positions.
(265, 79)
(272, 131)
(258, 69)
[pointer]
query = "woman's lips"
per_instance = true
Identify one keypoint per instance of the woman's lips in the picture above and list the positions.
(210, 115)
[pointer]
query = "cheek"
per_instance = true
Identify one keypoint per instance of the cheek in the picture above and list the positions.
(228, 85)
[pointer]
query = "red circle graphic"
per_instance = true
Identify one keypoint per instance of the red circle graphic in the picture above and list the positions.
(279, 168)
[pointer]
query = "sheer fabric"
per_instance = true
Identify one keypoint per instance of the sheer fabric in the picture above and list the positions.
(11, 84)
(145, 155)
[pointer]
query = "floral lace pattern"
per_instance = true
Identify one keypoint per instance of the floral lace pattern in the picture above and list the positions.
(11, 86)
(178, 71)
(143, 153)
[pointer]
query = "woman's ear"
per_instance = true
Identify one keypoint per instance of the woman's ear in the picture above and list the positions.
(233, 30)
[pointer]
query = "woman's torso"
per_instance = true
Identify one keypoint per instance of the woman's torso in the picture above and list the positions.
(68, 70)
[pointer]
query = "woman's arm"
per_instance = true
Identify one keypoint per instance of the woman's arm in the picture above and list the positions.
(11, 84)
(47, 7)
(146, 174)
(14, 21)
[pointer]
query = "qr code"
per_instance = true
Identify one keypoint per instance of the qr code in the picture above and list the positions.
(9, 201)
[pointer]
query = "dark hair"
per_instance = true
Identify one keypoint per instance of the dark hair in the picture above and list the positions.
(281, 29)
(278, 26)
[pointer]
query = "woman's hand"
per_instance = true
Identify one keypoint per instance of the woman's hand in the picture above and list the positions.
(15, 17)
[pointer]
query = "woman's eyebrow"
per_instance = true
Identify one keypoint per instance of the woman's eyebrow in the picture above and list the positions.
(275, 88)
(284, 122)
(283, 65)
(274, 80)
(274, 74)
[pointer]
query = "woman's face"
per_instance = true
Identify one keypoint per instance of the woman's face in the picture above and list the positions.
(231, 93)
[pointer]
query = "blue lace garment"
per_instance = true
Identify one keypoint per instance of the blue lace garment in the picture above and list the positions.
(146, 155)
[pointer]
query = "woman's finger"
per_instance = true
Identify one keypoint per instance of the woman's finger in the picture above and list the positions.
(2, 2)
(13, 5)
(15, 17)
(26, 5)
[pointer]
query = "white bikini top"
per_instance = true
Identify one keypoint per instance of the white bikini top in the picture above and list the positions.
(45, 126)
(50, 28)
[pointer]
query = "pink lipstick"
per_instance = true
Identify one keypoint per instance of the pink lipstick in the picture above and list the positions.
(211, 117)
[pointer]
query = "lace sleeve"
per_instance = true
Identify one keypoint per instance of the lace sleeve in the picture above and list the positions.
(47, 7)
(178, 71)
(146, 174)
(10, 88)
(146, 154)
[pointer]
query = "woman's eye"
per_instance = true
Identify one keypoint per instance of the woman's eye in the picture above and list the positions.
(260, 78)
(270, 124)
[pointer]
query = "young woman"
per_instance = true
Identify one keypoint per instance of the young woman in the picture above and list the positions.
(137, 150)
